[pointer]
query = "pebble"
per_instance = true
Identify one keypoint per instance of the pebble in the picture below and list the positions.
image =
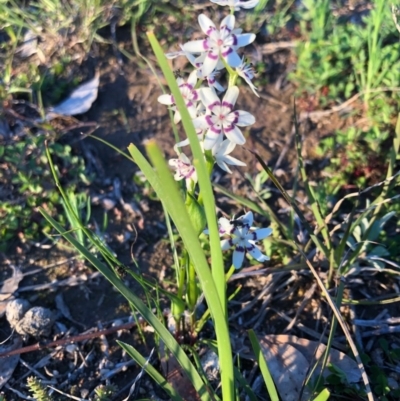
(15, 311)
(37, 322)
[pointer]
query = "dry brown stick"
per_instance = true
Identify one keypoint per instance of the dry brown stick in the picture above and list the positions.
(270, 48)
(342, 106)
(69, 340)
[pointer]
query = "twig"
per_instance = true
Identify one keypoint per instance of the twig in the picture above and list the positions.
(270, 48)
(336, 109)
(64, 341)
(377, 322)
(307, 296)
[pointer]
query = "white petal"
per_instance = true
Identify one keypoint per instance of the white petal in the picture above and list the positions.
(222, 165)
(200, 122)
(209, 64)
(177, 117)
(210, 139)
(245, 39)
(173, 55)
(231, 95)
(229, 21)
(237, 259)
(192, 79)
(248, 217)
(194, 46)
(225, 245)
(248, 4)
(233, 161)
(245, 118)
(221, 148)
(224, 225)
(262, 233)
(165, 99)
(221, 2)
(233, 59)
(235, 136)
(218, 86)
(205, 23)
(208, 96)
(181, 144)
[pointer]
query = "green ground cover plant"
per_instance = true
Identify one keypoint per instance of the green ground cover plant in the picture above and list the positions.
(28, 185)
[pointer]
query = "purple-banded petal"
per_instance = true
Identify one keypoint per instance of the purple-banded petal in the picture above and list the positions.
(231, 57)
(245, 118)
(206, 25)
(195, 46)
(235, 135)
(210, 139)
(228, 22)
(238, 257)
(166, 99)
(210, 62)
(257, 254)
(208, 97)
(231, 96)
(259, 234)
(231, 119)
(245, 39)
(215, 84)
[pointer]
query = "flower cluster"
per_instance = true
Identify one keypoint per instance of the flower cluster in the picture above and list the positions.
(214, 116)
(216, 120)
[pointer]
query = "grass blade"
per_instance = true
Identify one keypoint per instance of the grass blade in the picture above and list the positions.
(263, 366)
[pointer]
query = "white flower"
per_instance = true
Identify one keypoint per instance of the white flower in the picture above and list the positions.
(242, 238)
(236, 4)
(189, 94)
(222, 43)
(221, 119)
(184, 170)
(247, 73)
(221, 151)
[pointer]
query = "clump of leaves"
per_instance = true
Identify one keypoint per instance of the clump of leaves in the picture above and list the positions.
(38, 390)
(105, 393)
(27, 185)
(341, 57)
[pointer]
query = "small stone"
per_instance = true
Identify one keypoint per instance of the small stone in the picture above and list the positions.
(71, 348)
(16, 310)
(38, 321)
